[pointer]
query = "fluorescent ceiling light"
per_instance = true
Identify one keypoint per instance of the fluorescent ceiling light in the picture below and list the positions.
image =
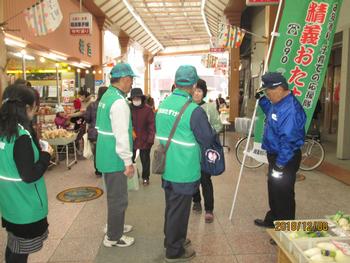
(20, 55)
(12, 42)
(84, 65)
(140, 21)
(55, 56)
(205, 19)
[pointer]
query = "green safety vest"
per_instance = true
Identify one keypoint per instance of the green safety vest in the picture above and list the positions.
(182, 163)
(107, 160)
(20, 202)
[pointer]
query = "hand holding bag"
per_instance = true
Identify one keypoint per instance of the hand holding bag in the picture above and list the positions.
(159, 154)
(87, 152)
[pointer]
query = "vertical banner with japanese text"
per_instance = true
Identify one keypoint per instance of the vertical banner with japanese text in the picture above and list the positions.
(301, 53)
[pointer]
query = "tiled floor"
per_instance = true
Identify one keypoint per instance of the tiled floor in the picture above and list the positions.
(76, 230)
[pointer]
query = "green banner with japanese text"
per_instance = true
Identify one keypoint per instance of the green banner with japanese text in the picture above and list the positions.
(301, 53)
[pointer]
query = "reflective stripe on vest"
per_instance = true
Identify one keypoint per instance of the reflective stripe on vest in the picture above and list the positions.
(106, 133)
(177, 142)
(10, 179)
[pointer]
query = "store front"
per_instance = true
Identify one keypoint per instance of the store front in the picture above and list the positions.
(210, 67)
(62, 60)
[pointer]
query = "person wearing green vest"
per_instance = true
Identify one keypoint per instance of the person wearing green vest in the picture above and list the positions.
(114, 152)
(23, 197)
(207, 187)
(182, 166)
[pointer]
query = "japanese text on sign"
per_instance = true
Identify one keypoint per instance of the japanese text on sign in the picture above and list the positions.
(80, 23)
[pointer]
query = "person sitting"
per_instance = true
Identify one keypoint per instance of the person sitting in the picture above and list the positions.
(61, 120)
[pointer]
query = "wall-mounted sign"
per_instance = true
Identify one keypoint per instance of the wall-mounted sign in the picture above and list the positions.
(261, 2)
(82, 48)
(80, 23)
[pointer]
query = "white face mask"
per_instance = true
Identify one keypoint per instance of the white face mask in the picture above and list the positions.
(136, 102)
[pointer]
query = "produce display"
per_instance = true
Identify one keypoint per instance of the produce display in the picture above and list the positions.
(341, 220)
(57, 133)
(46, 110)
(308, 234)
(333, 251)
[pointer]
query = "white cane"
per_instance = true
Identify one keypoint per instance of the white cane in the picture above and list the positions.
(254, 113)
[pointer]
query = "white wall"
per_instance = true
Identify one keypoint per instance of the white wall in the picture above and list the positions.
(344, 18)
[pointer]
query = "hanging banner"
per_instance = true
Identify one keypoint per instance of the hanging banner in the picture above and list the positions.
(261, 2)
(230, 36)
(43, 17)
(301, 53)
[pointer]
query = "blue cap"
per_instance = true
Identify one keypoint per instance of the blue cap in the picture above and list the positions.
(186, 75)
(272, 80)
(122, 70)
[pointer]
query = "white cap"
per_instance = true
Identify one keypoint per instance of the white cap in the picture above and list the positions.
(59, 108)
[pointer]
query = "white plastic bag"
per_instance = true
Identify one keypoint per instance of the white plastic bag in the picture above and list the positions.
(87, 153)
(133, 182)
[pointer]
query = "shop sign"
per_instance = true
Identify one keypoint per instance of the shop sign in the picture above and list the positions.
(80, 23)
(301, 52)
(261, 2)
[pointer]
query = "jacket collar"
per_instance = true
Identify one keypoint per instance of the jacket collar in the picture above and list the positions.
(180, 92)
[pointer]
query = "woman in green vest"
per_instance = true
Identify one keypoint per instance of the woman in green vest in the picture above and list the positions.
(207, 187)
(23, 197)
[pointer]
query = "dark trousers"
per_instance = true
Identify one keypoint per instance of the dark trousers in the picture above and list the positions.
(11, 257)
(93, 148)
(281, 190)
(207, 191)
(145, 156)
(177, 214)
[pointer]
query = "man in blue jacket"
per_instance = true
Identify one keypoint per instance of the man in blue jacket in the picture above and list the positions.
(284, 135)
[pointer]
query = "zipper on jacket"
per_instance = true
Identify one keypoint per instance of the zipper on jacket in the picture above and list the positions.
(41, 201)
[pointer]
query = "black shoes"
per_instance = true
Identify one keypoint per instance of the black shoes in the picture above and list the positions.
(197, 207)
(262, 223)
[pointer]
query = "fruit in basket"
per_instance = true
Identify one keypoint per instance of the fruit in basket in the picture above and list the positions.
(57, 133)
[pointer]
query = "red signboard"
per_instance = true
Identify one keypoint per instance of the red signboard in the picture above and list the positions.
(262, 2)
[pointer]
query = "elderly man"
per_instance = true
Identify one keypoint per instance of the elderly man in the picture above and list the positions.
(114, 152)
(182, 165)
(283, 137)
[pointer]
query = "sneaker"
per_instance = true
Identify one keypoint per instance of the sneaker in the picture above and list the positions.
(145, 182)
(127, 229)
(187, 256)
(197, 207)
(209, 217)
(124, 241)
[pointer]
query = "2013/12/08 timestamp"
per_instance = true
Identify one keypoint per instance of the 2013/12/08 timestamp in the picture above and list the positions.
(301, 225)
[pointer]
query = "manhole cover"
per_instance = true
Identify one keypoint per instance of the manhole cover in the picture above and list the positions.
(79, 194)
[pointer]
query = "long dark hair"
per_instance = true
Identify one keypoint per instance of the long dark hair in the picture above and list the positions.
(13, 110)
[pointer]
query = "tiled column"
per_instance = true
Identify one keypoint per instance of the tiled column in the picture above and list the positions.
(147, 78)
(343, 147)
(234, 84)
